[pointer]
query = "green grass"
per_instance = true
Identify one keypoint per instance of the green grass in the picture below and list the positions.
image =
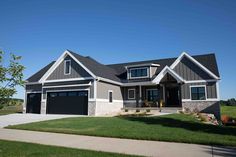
(11, 109)
(21, 149)
(174, 128)
(228, 110)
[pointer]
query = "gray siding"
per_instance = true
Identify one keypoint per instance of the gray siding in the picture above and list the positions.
(190, 71)
(153, 71)
(210, 87)
(76, 71)
(33, 88)
(90, 88)
(103, 88)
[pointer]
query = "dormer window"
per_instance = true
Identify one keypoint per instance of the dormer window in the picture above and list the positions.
(67, 67)
(139, 72)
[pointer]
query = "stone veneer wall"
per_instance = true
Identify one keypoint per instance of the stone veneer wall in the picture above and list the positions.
(91, 108)
(203, 106)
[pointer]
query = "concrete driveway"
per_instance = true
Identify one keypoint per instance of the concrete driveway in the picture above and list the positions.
(14, 119)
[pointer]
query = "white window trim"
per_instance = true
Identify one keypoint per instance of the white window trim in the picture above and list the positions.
(130, 98)
(198, 86)
(65, 61)
(149, 90)
(110, 91)
(130, 69)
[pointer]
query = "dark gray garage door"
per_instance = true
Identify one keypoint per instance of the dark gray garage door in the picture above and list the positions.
(74, 102)
(33, 103)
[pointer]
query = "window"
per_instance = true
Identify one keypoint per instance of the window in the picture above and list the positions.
(131, 93)
(72, 93)
(67, 67)
(110, 96)
(152, 95)
(198, 93)
(139, 73)
(62, 94)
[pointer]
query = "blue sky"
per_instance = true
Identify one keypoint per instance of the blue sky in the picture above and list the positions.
(120, 31)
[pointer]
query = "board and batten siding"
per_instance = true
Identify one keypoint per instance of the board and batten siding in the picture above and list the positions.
(76, 71)
(188, 70)
(33, 88)
(103, 88)
(76, 88)
(210, 88)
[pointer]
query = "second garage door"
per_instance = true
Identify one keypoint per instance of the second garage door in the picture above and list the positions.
(74, 102)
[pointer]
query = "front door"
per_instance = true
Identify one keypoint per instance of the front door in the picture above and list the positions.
(172, 96)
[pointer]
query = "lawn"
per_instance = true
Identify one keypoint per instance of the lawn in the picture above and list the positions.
(228, 110)
(21, 149)
(174, 128)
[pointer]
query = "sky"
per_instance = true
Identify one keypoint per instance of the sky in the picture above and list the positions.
(114, 31)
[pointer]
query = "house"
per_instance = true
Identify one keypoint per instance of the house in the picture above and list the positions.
(74, 84)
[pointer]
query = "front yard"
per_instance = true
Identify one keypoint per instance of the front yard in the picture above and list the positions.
(228, 110)
(174, 128)
(21, 149)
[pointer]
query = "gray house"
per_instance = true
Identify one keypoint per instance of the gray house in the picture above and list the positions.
(75, 84)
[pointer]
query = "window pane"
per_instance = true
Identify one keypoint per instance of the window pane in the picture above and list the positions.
(82, 94)
(194, 96)
(62, 94)
(201, 89)
(67, 67)
(53, 94)
(72, 94)
(194, 90)
(138, 72)
(131, 94)
(198, 93)
(152, 95)
(110, 96)
(201, 96)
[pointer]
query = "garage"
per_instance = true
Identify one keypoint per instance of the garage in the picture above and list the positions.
(72, 102)
(33, 103)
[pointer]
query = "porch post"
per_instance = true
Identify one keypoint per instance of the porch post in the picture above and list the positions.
(140, 96)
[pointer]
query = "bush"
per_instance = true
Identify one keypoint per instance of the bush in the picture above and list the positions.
(137, 110)
(225, 119)
(1, 107)
(126, 110)
(147, 110)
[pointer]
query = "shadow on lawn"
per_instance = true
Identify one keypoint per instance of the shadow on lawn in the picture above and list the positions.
(188, 125)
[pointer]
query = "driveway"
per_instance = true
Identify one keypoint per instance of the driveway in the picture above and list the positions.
(14, 119)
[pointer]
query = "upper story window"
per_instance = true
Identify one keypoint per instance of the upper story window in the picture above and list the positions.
(139, 72)
(67, 67)
(198, 92)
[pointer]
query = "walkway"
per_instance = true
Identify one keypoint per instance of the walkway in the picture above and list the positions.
(126, 146)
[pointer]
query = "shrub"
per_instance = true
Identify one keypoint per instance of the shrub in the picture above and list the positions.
(202, 117)
(147, 110)
(225, 119)
(1, 106)
(126, 110)
(137, 110)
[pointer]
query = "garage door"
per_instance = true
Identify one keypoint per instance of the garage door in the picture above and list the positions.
(75, 102)
(33, 103)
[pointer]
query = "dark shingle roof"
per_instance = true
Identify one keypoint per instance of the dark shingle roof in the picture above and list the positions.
(207, 60)
(117, 72)
(37, 76)
(97, 68)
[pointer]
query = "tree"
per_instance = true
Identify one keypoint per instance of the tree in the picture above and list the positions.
(11, 75)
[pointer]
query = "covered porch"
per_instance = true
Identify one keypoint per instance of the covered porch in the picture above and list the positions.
(165, 89)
